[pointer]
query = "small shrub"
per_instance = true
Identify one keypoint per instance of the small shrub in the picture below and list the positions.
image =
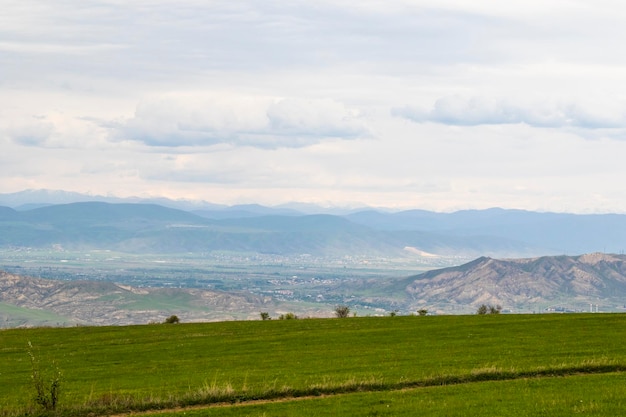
(288, 316)
(342, 311)
(489, 309)
(46, 389)
(393, 313)
(265, 315)
(422, 312)
(495, 309)
(173, 319)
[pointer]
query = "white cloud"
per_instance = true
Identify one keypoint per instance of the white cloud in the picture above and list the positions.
(53, 130)
(270, 101)
(474, 111)
(34, 131)
(201, 120)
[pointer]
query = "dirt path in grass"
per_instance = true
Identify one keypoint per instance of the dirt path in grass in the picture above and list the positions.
(230, 404)
(403, 386)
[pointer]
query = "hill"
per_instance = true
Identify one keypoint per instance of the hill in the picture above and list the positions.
(27, 301)
(558, 283)
(595, 282)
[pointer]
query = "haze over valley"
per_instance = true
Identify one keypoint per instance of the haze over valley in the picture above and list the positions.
(226, 263)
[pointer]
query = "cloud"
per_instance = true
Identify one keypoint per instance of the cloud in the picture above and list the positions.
(51, 130)
(474, 111)
(100, 95)
(202, 120)
(33, 131)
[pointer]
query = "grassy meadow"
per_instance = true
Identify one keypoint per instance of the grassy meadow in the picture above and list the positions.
(446, 365)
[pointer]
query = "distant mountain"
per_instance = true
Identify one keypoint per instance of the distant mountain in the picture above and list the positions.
(89, 225)
(97, 213)
(40, 198)
(141, 228)
(150, 228)
(245, 211)
(556, 233)
(559, 283)
(31, 199)
(492, 232)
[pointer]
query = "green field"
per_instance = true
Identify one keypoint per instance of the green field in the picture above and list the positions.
(589, 395)
(447, 365)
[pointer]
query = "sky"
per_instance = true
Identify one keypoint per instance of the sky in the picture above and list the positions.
(440, 105)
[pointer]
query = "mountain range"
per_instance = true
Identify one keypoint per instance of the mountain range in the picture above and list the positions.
(148, 227)
(525, 261)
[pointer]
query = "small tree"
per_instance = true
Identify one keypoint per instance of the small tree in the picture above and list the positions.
(265, 315)
(288, 316)
(342, 311)
(422, 312)
(173, 319)
(489, 309)
(393, 313)
(495, 309)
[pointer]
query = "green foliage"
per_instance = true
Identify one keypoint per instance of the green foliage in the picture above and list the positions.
(265, 315)
(288, 316)
(488, 309)
(342, 312)
(587, 395)
(46, 387)
(422, 312)
(495, 309)
(173, 319)
(393, 313)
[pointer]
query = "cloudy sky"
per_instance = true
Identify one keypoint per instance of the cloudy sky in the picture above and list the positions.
(440, 105)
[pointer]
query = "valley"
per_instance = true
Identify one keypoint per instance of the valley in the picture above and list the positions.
(307, 285)
(234, 263)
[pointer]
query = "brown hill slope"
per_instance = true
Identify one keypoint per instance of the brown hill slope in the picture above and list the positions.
(534, 284)
(34, 301)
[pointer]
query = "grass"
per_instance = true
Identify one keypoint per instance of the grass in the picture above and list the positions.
(589, 395)
(13, 316)
(108, 369)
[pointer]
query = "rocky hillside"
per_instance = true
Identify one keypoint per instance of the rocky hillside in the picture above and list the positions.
(561, 283)
(33, 301)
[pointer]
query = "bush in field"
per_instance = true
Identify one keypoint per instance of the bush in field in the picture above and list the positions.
(173, 319)
(287, 316)
(265, 315)
(495, 309)
(342, 311)
(489, 309)
(422, 312)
